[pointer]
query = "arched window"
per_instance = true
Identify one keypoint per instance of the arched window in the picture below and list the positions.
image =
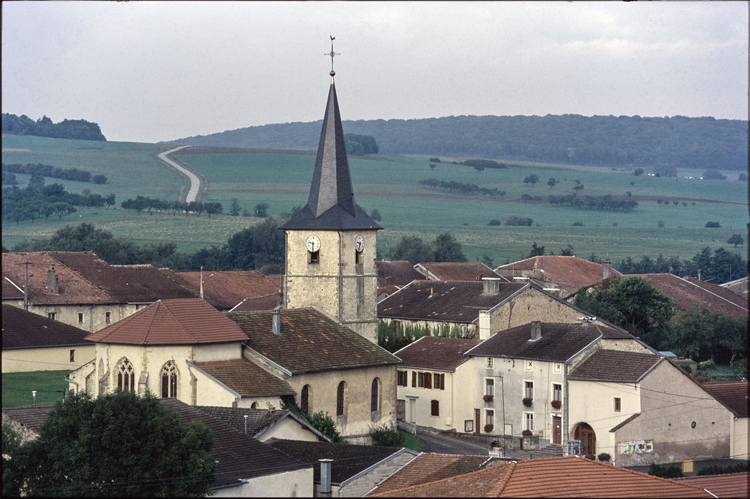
(254, 406)
(375, 395)
(126, 376)
(305, 399)
(341, 399)
(169, 380)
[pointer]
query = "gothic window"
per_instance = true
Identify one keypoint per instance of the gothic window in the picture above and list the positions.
(126, 376)
(341, 399)
(169, 380)
(375, 395)
(305, 399)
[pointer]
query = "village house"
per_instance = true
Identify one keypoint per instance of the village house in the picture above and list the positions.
(556, 274)
(81, 289)
(35, 343)
(549, 477)
(456, 271)
(642, 408)
(734, 395)
(472, 308)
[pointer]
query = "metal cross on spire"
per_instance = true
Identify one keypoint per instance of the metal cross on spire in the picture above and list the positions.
(332, 54)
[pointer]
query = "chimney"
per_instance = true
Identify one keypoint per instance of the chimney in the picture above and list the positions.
(276, 322)
(484, 324)
(52, 280)
(606, 268)
(490, 285)
(325, 477)
(245, 424)
(201, 287)
(536, 330)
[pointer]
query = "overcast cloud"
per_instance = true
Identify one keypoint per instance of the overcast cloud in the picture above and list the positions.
(153, 71)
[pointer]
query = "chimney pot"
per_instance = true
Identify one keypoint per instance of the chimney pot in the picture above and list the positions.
(325, 476)
(490, 285)
(606, 269)
(276, 322)
(52, 280)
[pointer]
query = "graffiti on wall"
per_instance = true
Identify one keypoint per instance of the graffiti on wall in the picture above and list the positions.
(635, 447)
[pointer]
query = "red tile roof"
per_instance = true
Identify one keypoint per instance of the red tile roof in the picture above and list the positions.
(246, 378)
(22, 329)
(558, 341)
(552, 477)
(456, 271)
(430, 352)
(429, 467)
(172, 322)
(687, 293)
(615, 366)
(84, 278)
(310, 341)
(734, 395)
(12, 291)
(729, 485)
(568, 272)
(458, 302)
(268, 302)
(224, 290)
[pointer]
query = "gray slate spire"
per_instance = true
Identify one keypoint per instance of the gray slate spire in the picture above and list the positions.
(331, 203)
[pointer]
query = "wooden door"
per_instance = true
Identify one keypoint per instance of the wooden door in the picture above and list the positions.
(556, 430)
(477, 420)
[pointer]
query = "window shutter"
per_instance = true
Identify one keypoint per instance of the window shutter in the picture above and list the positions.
(427, 380)
(414, 379)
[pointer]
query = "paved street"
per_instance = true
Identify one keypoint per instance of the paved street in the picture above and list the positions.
(453, 445)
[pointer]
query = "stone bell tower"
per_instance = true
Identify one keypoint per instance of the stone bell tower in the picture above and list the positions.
(330, 243)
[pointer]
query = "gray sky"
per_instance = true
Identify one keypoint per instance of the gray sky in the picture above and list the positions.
(152, 71)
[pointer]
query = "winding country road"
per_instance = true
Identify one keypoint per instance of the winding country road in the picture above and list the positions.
(195, 182)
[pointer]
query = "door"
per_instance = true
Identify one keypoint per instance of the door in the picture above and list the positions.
(477, 420)
(413, 411)
(586, 435)
(556, 430)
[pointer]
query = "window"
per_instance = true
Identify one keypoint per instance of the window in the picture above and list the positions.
(80, 318)
(305, 399)
(107, 317)
(529, 421)
(556, 391)
(420, 380)
(529, 390)
(438, 381)
(428, 380)
(72, 355)
(489, 387)
(341, 399)
(490, 362)
(313, 257)
(435, 408)
(618, 404)
(126, 376)
(402, 377)
(169, 380)
(375, 395)
(490, 417)
(51, 315)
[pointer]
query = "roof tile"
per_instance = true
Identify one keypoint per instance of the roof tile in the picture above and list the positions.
(568, 272)
(733, 395)
(246, 378)
(430, 352)
(22, 329)
(615, 366)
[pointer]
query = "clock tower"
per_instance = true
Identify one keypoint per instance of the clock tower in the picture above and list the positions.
(330, 243)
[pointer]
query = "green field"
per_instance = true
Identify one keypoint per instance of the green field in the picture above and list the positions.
(391, 185)
(17, 387)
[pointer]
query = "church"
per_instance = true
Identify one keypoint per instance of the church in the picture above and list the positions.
(318, 347)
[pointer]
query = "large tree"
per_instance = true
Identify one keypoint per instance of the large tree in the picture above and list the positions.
(413, 249)
(630, 302)
(119, 444)
(448, 249)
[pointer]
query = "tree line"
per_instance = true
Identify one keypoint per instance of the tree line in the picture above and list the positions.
(601, 203)
(50, 171)
(44, 127)
(359, 145)
(610, 141)
(38, 201)
(462, 188)
(141, 203)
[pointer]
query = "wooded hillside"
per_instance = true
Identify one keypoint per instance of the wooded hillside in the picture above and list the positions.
(658, 144)
(44, 127)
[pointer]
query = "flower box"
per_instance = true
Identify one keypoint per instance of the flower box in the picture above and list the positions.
(556, 404)
(526, 433)
(527, 402)
(488, 428)
(488, 398)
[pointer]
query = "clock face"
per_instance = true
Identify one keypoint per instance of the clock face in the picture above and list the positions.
(359, 244)
(313, 243)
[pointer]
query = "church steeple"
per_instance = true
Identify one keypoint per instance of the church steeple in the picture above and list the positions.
(331, 202)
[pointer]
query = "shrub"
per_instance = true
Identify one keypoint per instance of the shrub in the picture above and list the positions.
(590, 456)
(375, 215)
(660, 223)
(671, 471)
(518, 221)
(325, 424)
(638, 171)
(99, 179)
(434, 160)
(577, 224)
(386, 436)
(712, 225)
(494, 221)
(720, 470)
(604, 457)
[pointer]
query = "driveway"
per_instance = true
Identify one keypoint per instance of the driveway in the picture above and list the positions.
(195, 182)
(445, 444)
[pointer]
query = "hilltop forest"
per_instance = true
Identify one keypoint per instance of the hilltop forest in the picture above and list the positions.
(44, 127)
(660, 145)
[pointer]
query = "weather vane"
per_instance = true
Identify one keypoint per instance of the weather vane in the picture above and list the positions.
(332, 54)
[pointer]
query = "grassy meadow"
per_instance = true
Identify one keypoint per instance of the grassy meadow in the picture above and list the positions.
(391, 185)
(17, 388)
